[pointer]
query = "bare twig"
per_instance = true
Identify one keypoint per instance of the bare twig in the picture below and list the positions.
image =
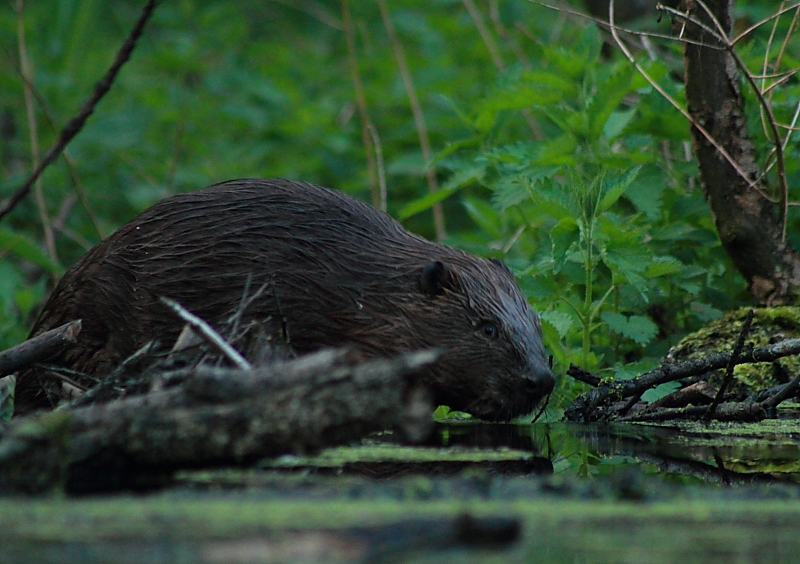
(208, 333)
(376, 142)
(758, 24)
(583, 375)
(76, 124)
(720, 35)
(675, 103)
(500, 29)
(71, 167)
(494, 53)
(113, 384)
(419, 118)
(483, 31)
(605, 25)
(39, 348)
(735, 354)
(786, 391)
(318, 10)
(361, 102)
(587, 406)
(632, 401)
(785, 43)
(726, 412)
(33, 130)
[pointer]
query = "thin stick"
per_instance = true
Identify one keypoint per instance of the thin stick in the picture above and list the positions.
(381, 166)
(483, 31)
(39, 347)
(76, 124)
(721, 36)
(33, 131)
(419, 118)
(587, 404)
(756, 25)
(208, 333)
(68, 160)
(361, 103)
(675, 103)
(736, 353)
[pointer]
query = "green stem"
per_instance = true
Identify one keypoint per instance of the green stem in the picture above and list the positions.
(587, 297)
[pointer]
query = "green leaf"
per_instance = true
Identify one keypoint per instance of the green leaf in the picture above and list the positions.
(444, 412)
(660, 391)
(484, 215)
(706, 313)
(22, 246)
(564, 237)
(630, 370)
(562, 322)
(662, 266)
(512, 190)
(426, 202)
(636, 327)
(607, 97)
(614, 188)
(464, 176)
(616, 123)
(554, 199)
(628, 265)
(462, 117)
(528, 89)
(647, 195)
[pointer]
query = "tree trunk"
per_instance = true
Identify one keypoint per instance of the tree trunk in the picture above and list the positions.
(746, 221)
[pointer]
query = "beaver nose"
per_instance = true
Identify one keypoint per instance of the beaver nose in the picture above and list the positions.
(541, 381)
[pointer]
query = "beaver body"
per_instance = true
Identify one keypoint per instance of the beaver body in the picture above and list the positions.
(333, 270)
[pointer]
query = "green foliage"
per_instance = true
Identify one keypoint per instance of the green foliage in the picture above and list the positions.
(567, 163)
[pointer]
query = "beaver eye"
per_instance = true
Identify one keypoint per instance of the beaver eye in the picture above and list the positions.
(489, 329)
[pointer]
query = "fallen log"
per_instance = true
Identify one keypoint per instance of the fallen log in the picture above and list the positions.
(217, 416)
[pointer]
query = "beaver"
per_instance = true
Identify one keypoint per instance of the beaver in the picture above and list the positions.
(335, 271)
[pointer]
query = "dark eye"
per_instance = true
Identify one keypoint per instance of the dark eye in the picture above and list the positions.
(489, 329)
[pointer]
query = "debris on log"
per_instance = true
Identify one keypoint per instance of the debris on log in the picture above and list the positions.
(706, 374)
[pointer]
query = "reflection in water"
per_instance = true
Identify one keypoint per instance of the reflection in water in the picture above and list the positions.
(706, 453)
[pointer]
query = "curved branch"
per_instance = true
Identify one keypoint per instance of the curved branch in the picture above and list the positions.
(76, 123)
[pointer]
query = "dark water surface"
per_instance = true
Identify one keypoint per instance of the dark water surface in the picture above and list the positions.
(723, 453)
(544, 493)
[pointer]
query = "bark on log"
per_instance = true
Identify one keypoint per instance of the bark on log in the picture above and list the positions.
(745, 220)
(221, 416)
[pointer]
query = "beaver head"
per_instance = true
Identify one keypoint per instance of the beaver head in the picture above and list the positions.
(494, 363)
(333, 271)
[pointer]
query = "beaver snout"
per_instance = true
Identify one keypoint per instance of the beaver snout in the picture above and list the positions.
(541, 382)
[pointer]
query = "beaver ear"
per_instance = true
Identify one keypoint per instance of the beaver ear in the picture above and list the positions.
(435, 278)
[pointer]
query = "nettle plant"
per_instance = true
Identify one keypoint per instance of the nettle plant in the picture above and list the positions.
(601, 216)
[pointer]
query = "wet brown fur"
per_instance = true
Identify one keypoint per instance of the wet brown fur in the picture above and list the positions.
(337, 272)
